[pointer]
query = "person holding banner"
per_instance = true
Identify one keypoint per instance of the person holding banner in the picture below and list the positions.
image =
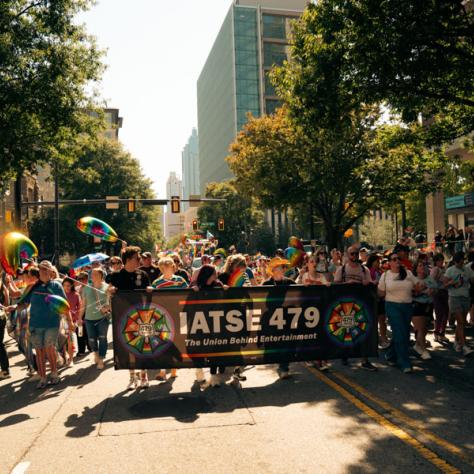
(354, 272)
(397, 285)
(207, 278)
(130, 277)
(168, 279)
(276, 269)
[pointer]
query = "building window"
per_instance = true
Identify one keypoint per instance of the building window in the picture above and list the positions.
(271, 105)
(274, 54)
(269, 88)
(274, 26)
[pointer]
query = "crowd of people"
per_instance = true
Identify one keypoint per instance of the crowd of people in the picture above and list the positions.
(418, 291)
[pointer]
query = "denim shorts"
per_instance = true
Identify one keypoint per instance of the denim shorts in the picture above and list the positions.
(43, 337)
(459, 304)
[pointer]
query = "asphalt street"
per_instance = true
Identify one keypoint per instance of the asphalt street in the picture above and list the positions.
(346, 420)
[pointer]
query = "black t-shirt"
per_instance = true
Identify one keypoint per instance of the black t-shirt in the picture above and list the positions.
(182, 273)
(224, 278)
(284, 282)
(123, 280)
(152, 272)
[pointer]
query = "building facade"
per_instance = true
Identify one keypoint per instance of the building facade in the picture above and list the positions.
(235, 80)
(174, 223)
(190, 168)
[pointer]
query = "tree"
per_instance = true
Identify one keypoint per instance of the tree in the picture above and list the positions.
(102, 169)
(242, 221)
(340, 173)
(47, 60)
(417, 57)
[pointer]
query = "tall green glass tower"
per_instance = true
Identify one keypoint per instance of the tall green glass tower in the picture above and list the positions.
(234, 80)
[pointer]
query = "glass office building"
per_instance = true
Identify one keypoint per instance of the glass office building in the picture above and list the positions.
(234, 80)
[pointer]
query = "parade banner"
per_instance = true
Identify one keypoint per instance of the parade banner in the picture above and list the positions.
(242, 326)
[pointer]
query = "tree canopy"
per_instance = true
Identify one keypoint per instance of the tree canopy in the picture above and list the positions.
(46, 62)
(416, 57)
(102, 169)
(338, 173)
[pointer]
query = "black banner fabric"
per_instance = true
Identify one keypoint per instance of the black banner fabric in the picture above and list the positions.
(242, 326)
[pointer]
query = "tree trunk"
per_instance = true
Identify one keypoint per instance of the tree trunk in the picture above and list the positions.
(333, 237)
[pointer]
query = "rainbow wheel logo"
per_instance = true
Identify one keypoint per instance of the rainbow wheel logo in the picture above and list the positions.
(347, 322)
(147, 330)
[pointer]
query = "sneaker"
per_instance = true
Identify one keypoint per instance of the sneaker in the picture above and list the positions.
(144, 383)
(43, 383)
(100, 364)
(54, 379)
(384, 345)
(283, 374)
(443, 339)
(132, 383)
(368, 366)
(161, 377)
(174, 373)
(425, 355)
(407, 370)
(467, 350)
(215, 381)
(200, 376)
(238, 375)
(457, 346)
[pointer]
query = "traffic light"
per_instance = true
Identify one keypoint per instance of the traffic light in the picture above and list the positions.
(131, 205)
(175, 205)
(195, 224)
(220, 224)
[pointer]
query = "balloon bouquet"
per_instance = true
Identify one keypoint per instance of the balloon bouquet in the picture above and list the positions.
(294, 253)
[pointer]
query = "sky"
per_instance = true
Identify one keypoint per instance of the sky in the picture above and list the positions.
(156, 50)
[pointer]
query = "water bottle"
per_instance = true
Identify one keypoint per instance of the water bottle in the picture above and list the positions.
(80, 331)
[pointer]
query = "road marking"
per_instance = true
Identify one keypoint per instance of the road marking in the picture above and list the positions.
(406, 419)
(429, 455)
(21, 468)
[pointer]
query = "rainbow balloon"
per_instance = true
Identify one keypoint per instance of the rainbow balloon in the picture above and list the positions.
(13, 247)
(97, 228)
(237, 279)
(294, 256)
(58, 304)
(296, 243)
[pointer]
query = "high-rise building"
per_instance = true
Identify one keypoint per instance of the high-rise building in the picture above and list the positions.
(174, 223)
(234, 80)
(190, 168)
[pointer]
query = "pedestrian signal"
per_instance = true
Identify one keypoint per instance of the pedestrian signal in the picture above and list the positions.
(195, 224)
(220, 224)
(132, 207)
(175, 205)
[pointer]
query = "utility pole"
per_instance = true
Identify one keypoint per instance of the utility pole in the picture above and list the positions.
(56, 215)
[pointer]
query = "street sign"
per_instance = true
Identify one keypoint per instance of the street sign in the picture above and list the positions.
(208, 224)
(111, 205)
(455, 202)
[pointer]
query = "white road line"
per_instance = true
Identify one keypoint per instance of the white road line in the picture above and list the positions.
(21, 468)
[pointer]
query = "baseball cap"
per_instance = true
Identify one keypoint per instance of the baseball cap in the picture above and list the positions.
(146, 255)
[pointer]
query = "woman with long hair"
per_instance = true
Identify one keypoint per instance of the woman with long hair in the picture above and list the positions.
(440, 299)
(397, 285)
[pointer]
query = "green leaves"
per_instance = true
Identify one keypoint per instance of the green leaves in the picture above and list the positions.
(46, 63)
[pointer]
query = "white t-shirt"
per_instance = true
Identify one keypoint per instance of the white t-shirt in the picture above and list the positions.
(397, 291)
